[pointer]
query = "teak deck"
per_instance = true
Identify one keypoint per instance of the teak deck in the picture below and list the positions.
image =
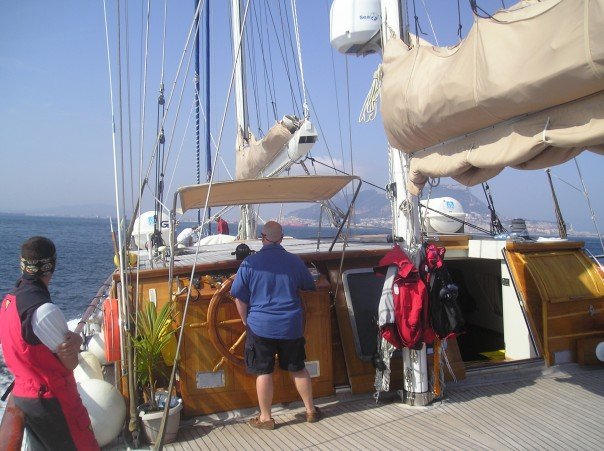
(524, 406)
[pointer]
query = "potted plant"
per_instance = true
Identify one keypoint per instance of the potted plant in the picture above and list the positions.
(154, 332)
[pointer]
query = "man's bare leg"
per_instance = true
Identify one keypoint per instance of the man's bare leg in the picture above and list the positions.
(304, 387)
(264, 389)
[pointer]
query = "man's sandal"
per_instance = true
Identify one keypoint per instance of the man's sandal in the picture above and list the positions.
(257, 424)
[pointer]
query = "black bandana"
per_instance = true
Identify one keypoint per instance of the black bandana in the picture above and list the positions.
(39, 268)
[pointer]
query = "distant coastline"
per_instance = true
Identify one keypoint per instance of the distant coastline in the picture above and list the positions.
(535, 227)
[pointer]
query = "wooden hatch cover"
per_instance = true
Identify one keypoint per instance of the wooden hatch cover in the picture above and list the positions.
(562, 293)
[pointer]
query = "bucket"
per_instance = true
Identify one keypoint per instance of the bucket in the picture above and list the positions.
(152, 421)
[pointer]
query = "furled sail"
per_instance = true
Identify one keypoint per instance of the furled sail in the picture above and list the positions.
(524, 89)
(255, 155)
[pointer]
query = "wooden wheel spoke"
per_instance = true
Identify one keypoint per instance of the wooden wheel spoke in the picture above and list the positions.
(238, 342)
(228, 322)
(219, 364)
(221, 332)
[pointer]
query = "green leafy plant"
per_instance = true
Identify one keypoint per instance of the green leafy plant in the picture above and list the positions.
(154, 330)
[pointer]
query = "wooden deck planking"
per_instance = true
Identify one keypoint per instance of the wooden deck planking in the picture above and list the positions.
(556, 418)
(541, 423)
(504, 420)
(493, 407)
(581, 431)
(560, 409)
(461, 409)
(441, 434)
(536, 411)
(371, 417)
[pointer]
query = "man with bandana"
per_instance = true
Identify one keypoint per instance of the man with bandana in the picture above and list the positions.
(42, 353)
(266, 291)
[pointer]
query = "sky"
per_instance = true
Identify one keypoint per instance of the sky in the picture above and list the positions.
(56, 115)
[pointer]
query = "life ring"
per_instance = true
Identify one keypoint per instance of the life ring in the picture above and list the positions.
(226, 334)
(111, 330)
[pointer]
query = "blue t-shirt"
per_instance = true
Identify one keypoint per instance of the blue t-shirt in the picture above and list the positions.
(268, 281)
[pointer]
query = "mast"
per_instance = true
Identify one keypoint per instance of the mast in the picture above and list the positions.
(207, 102)
(206, 25)
(247, 221)
(197, 146)
(405, 215)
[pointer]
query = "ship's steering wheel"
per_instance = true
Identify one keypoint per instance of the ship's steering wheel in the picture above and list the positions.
(227, 335)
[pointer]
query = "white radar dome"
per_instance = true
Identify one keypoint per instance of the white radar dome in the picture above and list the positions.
(443, 214)
(144, 227)
(106, 409)
(352, 25)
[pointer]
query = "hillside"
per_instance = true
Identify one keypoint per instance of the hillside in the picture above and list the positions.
(373, 210)
(372, 205)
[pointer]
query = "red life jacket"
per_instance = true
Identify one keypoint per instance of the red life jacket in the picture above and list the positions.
(412, 324)
(38, 372)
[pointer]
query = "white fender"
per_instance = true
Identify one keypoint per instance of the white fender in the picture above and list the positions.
(96, 345)
(88, 367)
(106, 409)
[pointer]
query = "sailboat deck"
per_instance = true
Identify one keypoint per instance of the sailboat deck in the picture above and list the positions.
(523, 406)
(223, 253)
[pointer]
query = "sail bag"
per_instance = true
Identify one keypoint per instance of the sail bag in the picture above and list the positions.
(524, 89)
(445, 314)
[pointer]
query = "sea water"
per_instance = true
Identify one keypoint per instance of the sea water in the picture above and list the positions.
(85, 259)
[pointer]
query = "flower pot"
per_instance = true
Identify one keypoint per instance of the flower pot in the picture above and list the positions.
(152, 421)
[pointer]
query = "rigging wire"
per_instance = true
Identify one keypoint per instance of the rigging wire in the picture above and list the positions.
(143, 180)
(254, 71)
(317, 121)
(129, 120)
(271, 81)
(430, 22)
(418, 28)
(182, 144)
(160, 162)
(336, 91)
(123, 311)
(170, 96)
(120, 108)
(557, 211)
(586, 195)
(284, 57)
(314, 160)
(591, 210)
(495, 224)
(286, 27)
(459, 25)
(479, 12)
(348, 116)
(299, 48)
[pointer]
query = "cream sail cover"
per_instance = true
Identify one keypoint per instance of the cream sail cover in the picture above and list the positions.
(272, 190)
(257, 154)
(525, 89)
